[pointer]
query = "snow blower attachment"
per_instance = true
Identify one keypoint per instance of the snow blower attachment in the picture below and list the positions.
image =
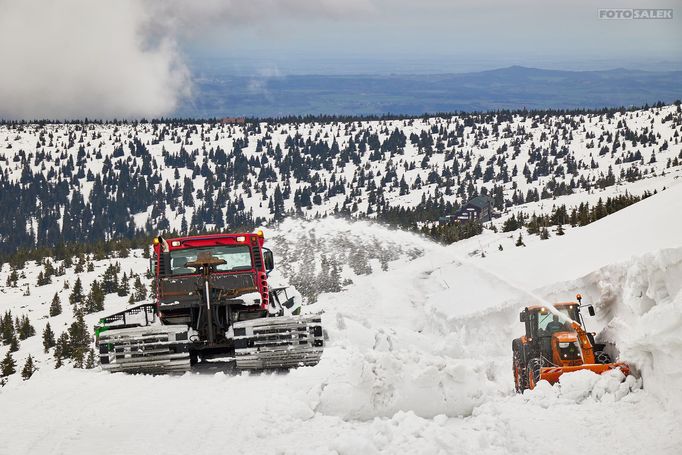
(556, 343)
(213, 301)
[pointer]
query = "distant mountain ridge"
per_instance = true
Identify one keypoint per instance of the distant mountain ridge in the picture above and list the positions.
(514, 87)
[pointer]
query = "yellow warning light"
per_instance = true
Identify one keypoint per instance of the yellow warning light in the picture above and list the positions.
(156, 241)
(259, 233)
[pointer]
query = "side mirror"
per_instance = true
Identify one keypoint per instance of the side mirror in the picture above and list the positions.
(268, 260)
(590, 309)
(522, 316)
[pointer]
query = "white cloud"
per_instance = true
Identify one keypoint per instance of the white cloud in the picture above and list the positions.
(76, 58)
(105, 59)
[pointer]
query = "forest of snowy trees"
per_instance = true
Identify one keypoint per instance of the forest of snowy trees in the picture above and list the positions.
(85, 187)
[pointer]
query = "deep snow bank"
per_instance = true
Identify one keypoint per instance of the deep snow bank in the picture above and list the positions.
(393, 350)
(454, 315)
(651, 225)
(639, 307)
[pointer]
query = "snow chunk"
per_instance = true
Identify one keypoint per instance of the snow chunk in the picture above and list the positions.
(382, 383)
(583, 385)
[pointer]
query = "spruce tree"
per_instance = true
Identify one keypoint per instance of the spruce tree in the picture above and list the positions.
(49, 268)
(90, 362)
(110, 280)
(25, 328)
(78, 358)
(43, 279)
(77, 296)
(12, 279)
(14, 344)
(55, 306)
(123, 287)
(140, 290)
(8, 365)
(511, 224)
(62, 349)
(80, 262)
(7, 328)
(533, 225)
(28, 369)
(48, 338)
(79, 340)
(95, 300)
(519, 241)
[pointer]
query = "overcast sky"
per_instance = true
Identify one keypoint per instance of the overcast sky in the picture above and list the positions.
(557, 32)
(133, 58)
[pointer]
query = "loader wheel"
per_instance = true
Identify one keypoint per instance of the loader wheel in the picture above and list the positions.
(534, 367)
(602, 357)
(519, 374)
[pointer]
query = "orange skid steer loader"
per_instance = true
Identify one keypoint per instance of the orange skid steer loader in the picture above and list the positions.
(556, 343)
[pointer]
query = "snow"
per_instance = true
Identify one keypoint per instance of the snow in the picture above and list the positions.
(528, 132)
(418, 357)
(642, 228)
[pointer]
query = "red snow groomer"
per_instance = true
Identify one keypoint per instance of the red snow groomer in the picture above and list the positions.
(556, 343)
(212, 301)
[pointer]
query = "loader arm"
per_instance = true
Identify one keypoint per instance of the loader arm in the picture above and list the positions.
(585, 343)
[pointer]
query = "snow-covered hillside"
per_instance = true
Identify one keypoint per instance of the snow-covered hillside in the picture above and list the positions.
(418, 357)
(91, 181)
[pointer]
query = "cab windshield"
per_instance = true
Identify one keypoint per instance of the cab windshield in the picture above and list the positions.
(548, 322)
(236, 257)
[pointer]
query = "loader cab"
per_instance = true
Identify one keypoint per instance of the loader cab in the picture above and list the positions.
(540, 320)
(541, 324)
(238, 277)
(548, 323)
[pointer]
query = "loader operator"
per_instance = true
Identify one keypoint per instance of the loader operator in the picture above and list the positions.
(555, 325)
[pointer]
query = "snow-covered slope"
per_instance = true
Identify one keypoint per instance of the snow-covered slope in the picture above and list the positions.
(89, 181)
(418, 360)
(639, 229)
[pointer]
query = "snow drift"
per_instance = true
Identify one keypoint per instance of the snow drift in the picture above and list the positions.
(418, 360)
